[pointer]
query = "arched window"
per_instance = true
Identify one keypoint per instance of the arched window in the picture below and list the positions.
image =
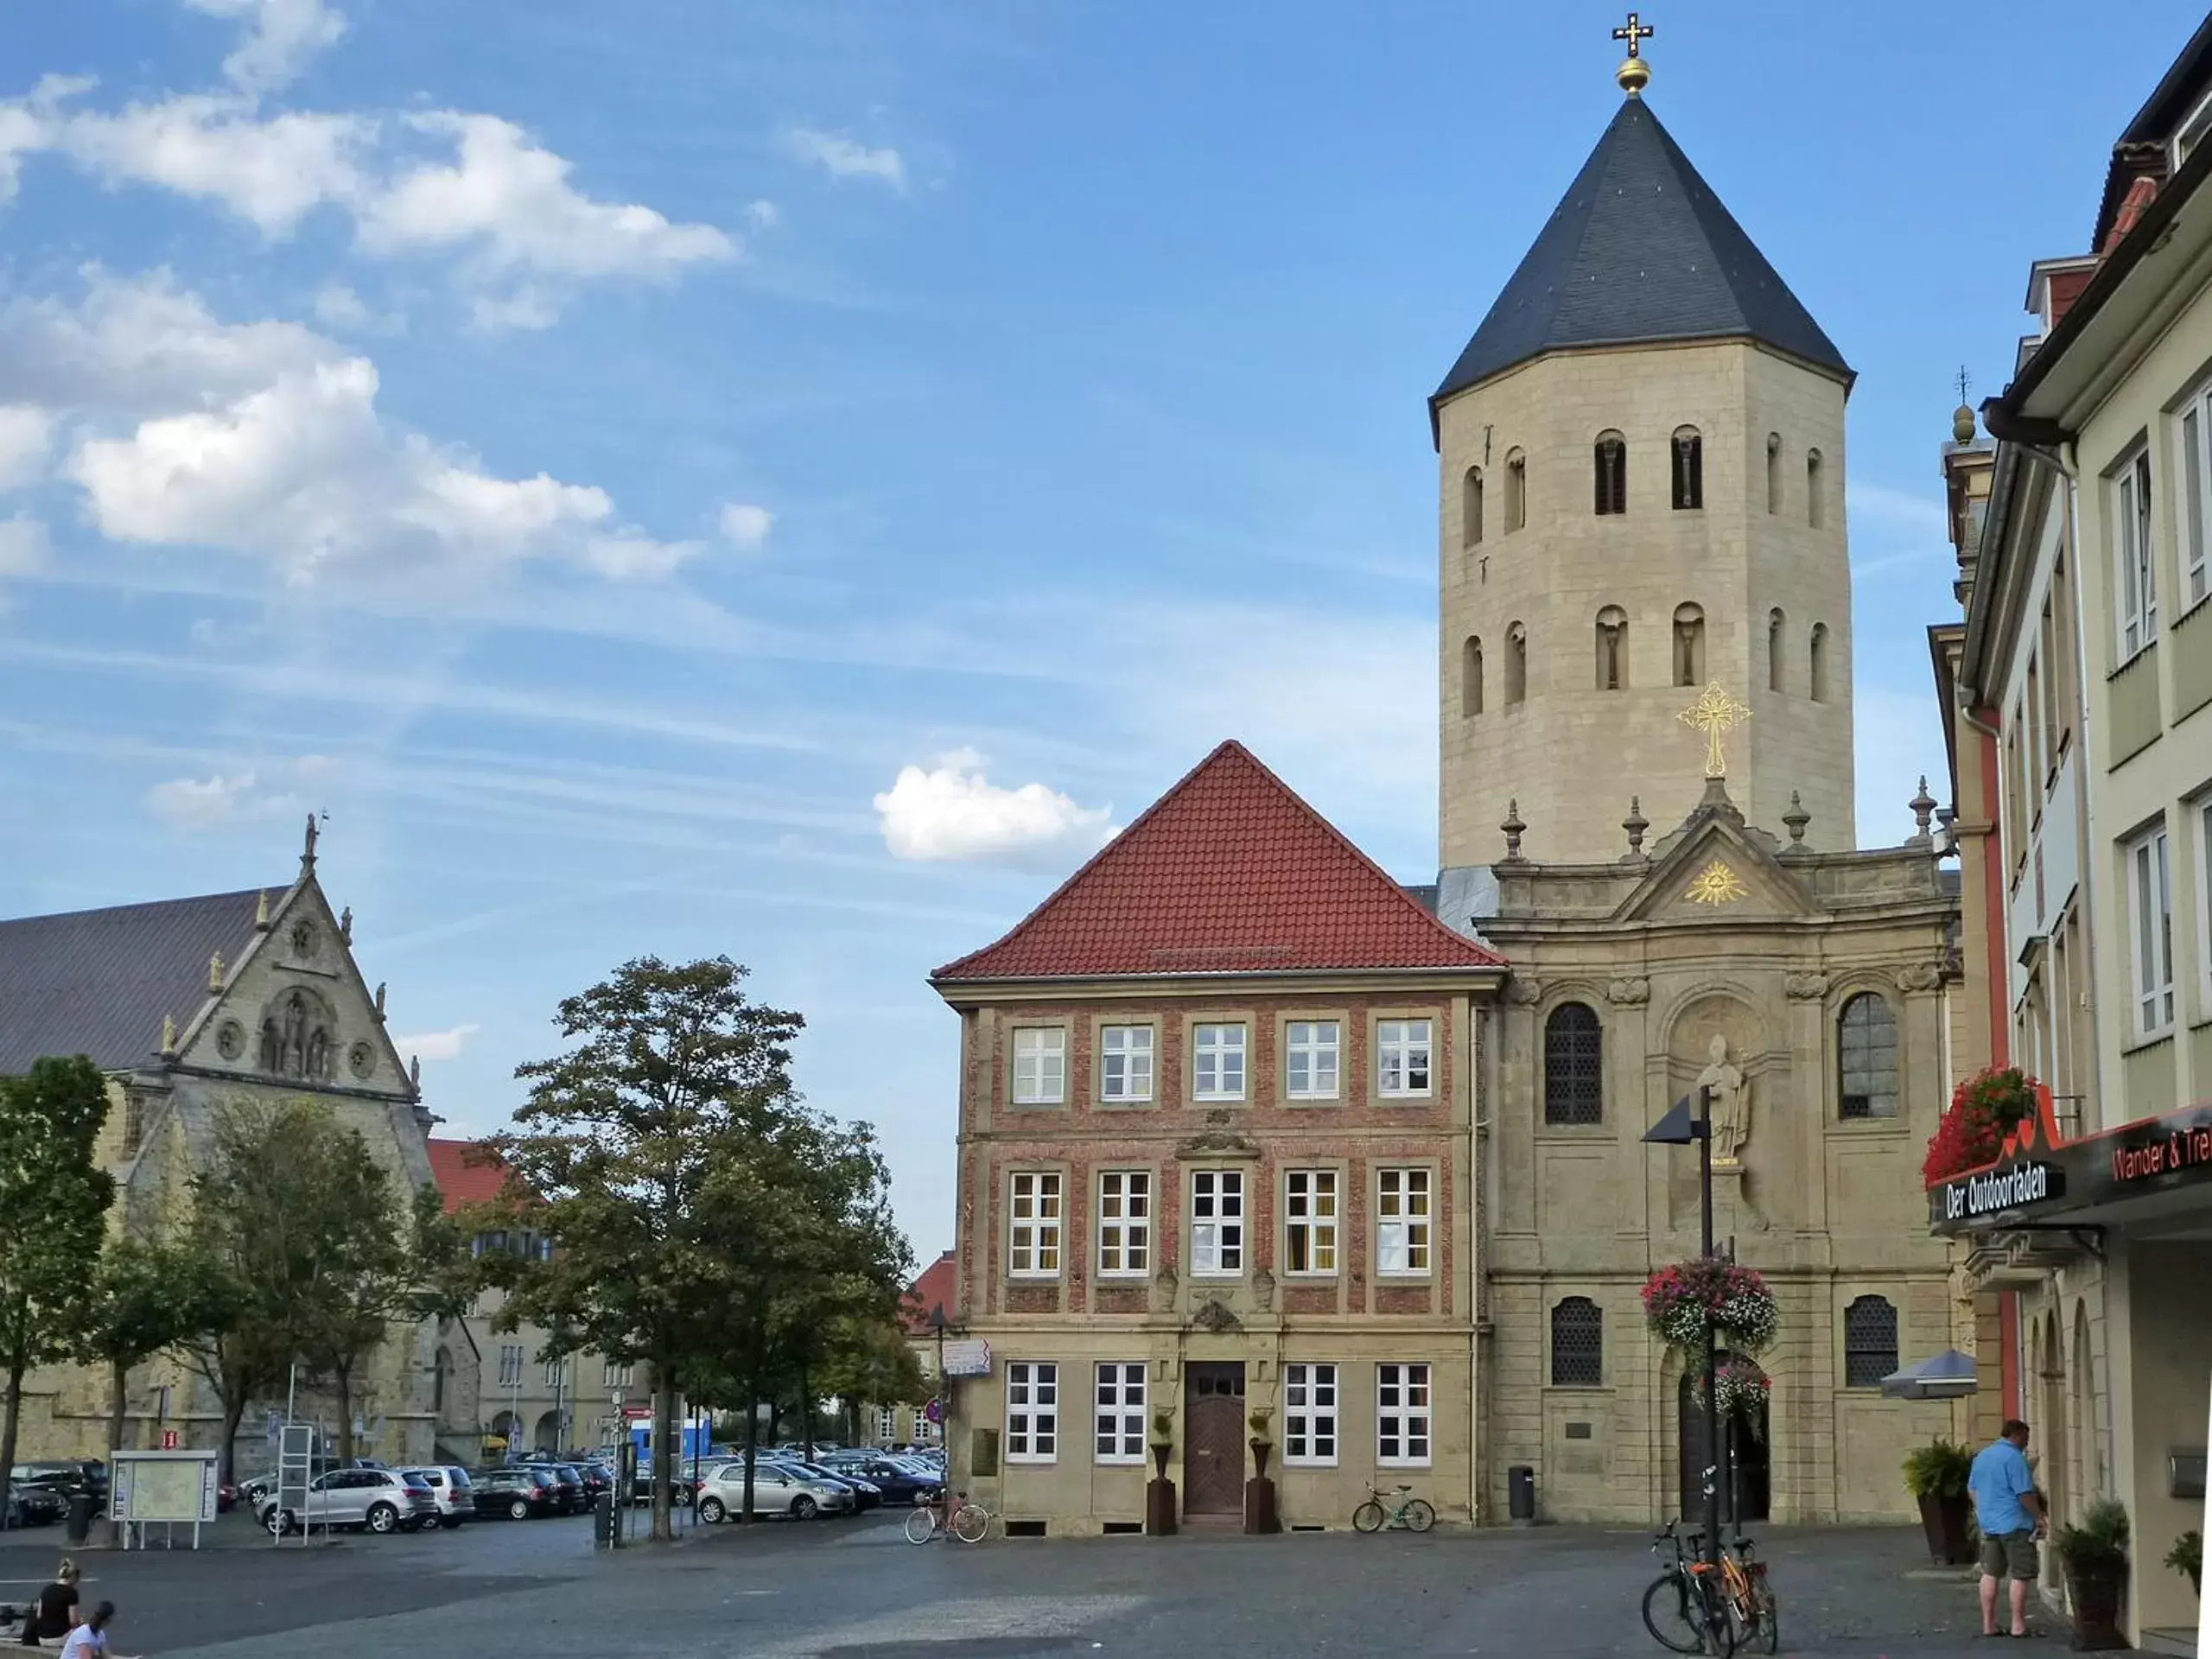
(1612, 648)
(1578, 1344)
(1688, 480)
(441, 1370)
(1820, 662)
(1815, 509)
(1574, 1065)
(1774, 629)
(1470, 676)
(1516, 663)
(1774, 472)
(1470, 507)
(1870, 1342)
(1866, 1057)
(1517, 490)
(1689, 645)
(1611, 472)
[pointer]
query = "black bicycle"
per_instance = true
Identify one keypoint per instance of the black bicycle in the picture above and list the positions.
(1685, 1608)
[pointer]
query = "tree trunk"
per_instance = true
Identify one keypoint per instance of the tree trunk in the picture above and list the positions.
(663, 1459)
(805, 1415)
(118, 1386)
(751, 1450)
(9, 1417)
(233, 1415)
(343, 1376)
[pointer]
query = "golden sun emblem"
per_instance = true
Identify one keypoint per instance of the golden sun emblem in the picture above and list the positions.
(1716, 884)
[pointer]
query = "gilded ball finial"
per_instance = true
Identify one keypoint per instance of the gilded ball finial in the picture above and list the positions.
(1962, 423)
(1633, 75)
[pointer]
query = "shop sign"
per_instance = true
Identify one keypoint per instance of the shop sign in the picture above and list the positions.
(2170, 1147)
(970, 1358)
(2013, 1186)
(2041, 1182)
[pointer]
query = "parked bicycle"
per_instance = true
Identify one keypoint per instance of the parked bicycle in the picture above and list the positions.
(1688, 1608)
(1753, 1610)
(1405, 1511)
(968, 1522)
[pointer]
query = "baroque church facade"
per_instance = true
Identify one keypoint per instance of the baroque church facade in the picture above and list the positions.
(1193, 1160)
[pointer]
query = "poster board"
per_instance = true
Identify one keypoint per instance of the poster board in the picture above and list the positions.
(162, 1488)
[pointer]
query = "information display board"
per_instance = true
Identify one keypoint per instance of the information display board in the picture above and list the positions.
(161, 1488)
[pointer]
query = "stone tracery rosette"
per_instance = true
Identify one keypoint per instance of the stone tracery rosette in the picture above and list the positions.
(1676, 1298)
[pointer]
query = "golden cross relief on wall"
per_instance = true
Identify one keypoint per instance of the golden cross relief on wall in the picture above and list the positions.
(1713, 713)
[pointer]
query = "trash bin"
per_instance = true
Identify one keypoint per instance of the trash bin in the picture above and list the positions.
(602, 1521)
(80, 1525)
(1520, 1495)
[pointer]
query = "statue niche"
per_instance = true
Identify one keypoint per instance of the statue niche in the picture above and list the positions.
(298, 1036)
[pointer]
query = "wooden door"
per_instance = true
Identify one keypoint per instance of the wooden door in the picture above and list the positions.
(1213, 1438)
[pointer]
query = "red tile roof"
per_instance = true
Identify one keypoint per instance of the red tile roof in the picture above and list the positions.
(937, 1288)
(461, 1181)
(1229, 871)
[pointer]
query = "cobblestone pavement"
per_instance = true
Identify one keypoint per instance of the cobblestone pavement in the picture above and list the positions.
(856, 1590)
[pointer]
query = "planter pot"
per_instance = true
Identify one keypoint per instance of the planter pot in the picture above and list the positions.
(1260, 1515)
(1159, 1507)
(2098, 1594)
(1161, 1450)
(1945, 1519)
(1260, 1451)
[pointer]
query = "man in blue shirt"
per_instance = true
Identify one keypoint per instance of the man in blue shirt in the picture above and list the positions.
(2011, 1516)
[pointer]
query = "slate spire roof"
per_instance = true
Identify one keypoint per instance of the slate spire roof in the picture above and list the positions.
(1639, 248)
(1229, 871)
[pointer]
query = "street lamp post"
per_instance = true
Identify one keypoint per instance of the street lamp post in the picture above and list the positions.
(937, 1324)
(1679, 1128)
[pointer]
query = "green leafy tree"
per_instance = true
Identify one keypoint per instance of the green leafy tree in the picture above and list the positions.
(54, 1204)
(870, 1362)
(147, 1297)
(619, 1158)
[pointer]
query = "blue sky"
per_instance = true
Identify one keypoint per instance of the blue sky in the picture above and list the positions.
(782, 479)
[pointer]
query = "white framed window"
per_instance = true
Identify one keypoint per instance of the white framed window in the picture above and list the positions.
(1309, 1221)
(2151, 928)
(1310, 1052)
(1033, 1224)
(1125, 1063)
(510, 1364)
(1402, 1221)
(2196, 498)
(2136, 584)
(1040, 1065)
(615, 1374)
(1309, 1416)
(1118, 1421)
(1402, 1051)
(1124, 1223)
(1033, 1411)
(1402, 1417)
(1217, 1224)
(1218, 1063)
(556, 1373)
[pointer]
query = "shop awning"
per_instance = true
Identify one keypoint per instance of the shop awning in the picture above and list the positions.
(1946, 1376)
(2041, 1181)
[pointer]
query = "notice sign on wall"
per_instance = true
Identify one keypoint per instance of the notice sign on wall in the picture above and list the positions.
(971, 1357)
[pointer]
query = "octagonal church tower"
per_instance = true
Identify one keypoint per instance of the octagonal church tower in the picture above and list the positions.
(1641, 471)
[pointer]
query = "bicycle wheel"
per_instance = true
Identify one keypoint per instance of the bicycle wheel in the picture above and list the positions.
(1720, 1619)
(1421, 1515)
(1764, 1635)
(1367, 1517)
(920, 1524)
(1670, 1614)
(969, 1523)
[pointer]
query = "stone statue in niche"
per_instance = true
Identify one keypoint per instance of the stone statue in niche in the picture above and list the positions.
(293, 1043)
(1731, 1102)
(318, 1052)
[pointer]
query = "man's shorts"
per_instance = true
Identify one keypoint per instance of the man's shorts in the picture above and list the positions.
(2010, 1554)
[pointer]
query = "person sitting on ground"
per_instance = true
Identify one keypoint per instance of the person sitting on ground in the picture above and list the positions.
(89, 1639)
(2012, 1519)
(55, 1613)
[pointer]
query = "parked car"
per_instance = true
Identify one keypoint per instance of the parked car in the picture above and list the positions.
(34, 1506)
(867, 1495)
(379, 1499)
(777, 1488)
(517, 1493)
(71, 1477)
(568, 1485)
(900, 1482)
(590, 1478)
(449, 1485)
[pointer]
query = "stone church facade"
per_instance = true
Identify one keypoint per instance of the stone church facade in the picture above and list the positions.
(1647, 827)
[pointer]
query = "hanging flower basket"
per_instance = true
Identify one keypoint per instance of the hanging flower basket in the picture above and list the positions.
(1984, 1109)
(1742, 1388)
(1675, 1301)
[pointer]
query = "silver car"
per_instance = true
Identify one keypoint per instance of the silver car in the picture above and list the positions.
(448, 1484)
(777, 1489)
(382, 1500)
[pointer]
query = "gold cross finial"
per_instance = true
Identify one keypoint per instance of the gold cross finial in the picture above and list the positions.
(1713, 713)
(1634, 74)
(1636, 31)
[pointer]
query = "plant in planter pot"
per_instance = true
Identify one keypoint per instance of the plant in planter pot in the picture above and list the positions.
(1984, 1109)
(1163, 1441)
(1262, 1442)
(1936, 1475)
(2093, 1552)
(2187, 1558)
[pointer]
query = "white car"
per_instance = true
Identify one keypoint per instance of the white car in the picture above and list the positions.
(449, 1485)
(776, 1490)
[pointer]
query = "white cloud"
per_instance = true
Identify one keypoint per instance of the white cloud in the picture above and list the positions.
(436, 1045)
(23, 545)
(280, 37)
(951, 811)
(509, 201)
(193, 803)
(764, 215)
(744, 525)
(271, 170)
(631, 555)
(845, 157)
(26, 441)
(338, 305)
